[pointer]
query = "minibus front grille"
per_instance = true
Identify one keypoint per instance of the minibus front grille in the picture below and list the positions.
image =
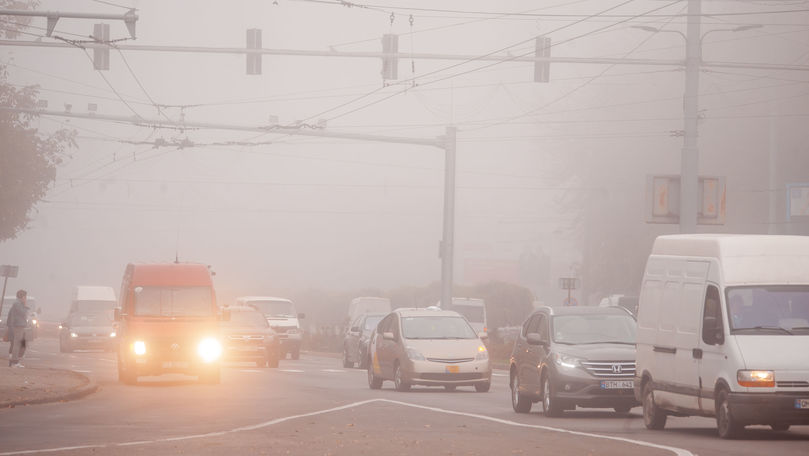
(450, 360)
(793, 384)
(610, 369)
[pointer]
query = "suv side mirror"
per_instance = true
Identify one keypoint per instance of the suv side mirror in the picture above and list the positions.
(712, 331)
(387, 336)
(354, 330)
(534, 339)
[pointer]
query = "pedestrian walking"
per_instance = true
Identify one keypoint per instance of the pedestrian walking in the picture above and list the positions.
(17, 322)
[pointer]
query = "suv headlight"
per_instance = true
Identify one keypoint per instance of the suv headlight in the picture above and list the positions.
(566, 361)
(482, 353)
(139, 347)
(209, 349)
(756, 378)
(414, 354)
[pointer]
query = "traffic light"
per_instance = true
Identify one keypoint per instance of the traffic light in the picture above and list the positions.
(390, 62)
(542, 70)
(253, 59)
(101, 55)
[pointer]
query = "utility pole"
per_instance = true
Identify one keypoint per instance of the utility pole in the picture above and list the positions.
(689, 159)
(448, 241)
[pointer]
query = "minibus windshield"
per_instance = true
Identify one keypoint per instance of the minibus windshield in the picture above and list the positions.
(768, 309)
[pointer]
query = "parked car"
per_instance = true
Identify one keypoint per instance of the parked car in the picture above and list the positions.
(574, 356)
(723, 331)
(430, 347)
(355, 341)
(94, 331)
(248, 337)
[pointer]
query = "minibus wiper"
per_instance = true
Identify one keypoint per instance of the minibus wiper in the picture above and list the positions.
(776, 328)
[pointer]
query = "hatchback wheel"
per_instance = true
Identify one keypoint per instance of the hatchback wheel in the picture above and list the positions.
(727, 425)
(483, 387)
(398, 380)
(519, 402)
(346, 362)
(374, 382)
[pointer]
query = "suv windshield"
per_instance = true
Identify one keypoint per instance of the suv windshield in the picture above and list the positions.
(94, 306)
(436, 327)
(593, 329)
(255, 319)
(768, 310)
(275, 308)
(173, 301)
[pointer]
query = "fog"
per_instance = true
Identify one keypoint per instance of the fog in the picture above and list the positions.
(551, 176)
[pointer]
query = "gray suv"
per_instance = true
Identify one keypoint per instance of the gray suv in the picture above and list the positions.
(574, 356)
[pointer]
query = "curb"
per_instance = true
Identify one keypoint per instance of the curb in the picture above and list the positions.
(89, 387)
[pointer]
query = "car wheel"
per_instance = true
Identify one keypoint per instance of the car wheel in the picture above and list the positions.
(296, 353)
(728, 426)
(550, 405)
(519, 402)
(374, 382)
(483, 387)
(653, 416)
(363, 364)
(346, 362)
(622, 409)
(779, 427)
(398, 380)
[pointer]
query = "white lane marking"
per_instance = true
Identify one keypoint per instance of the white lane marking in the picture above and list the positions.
(295, 371)
(333, 370)
(82, 371)
(495, 374)
(675, 450)
(249, 370)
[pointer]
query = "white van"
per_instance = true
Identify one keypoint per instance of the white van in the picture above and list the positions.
(473, 309)
(93, 299)
(283, 319)
(723, 331)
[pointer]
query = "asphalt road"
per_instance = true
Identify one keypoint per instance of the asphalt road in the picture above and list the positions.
(314, 406)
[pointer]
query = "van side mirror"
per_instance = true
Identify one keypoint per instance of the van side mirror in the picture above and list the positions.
(534, 339)
(116, 314)
(301, 316)
(712, 331)
(387, 336)
(354, 330)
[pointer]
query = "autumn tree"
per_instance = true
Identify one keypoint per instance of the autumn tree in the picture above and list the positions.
(28, 157)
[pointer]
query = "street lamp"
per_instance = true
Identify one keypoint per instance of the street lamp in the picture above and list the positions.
(689, 157)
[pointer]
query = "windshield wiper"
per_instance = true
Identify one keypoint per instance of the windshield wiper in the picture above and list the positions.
(776, 328)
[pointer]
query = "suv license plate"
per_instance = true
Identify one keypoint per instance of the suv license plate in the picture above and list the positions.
(802, 403)
(617, 384)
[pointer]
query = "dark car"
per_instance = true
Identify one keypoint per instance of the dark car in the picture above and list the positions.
(355, 342)
(248, 337)
(88, 331)
(574, 356)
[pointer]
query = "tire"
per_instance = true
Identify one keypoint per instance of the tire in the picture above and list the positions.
(211, 377)
(296, 353)
(346, 362)
(779, 427)
(272, 361)
(550, 405)
(449, 387)
(398, 382)
(483, 387)
(623, 409)
(374, 382)
(363, 364)
(519, 402)
(653, 416)
(727, 426)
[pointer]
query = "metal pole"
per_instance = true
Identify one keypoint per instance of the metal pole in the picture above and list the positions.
(3, 296)
(447, 244)
(689, 161)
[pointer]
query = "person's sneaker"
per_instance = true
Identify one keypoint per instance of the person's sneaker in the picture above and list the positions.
(17, 365)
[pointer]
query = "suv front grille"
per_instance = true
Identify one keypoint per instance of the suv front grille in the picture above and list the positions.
(792, 384)
(610, 369)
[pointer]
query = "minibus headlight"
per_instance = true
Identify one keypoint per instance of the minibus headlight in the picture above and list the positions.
(482, 353)
(756, 378)
(209, 349)
(139, 347)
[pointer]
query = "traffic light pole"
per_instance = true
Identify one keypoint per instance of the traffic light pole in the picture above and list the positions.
(689, 158)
